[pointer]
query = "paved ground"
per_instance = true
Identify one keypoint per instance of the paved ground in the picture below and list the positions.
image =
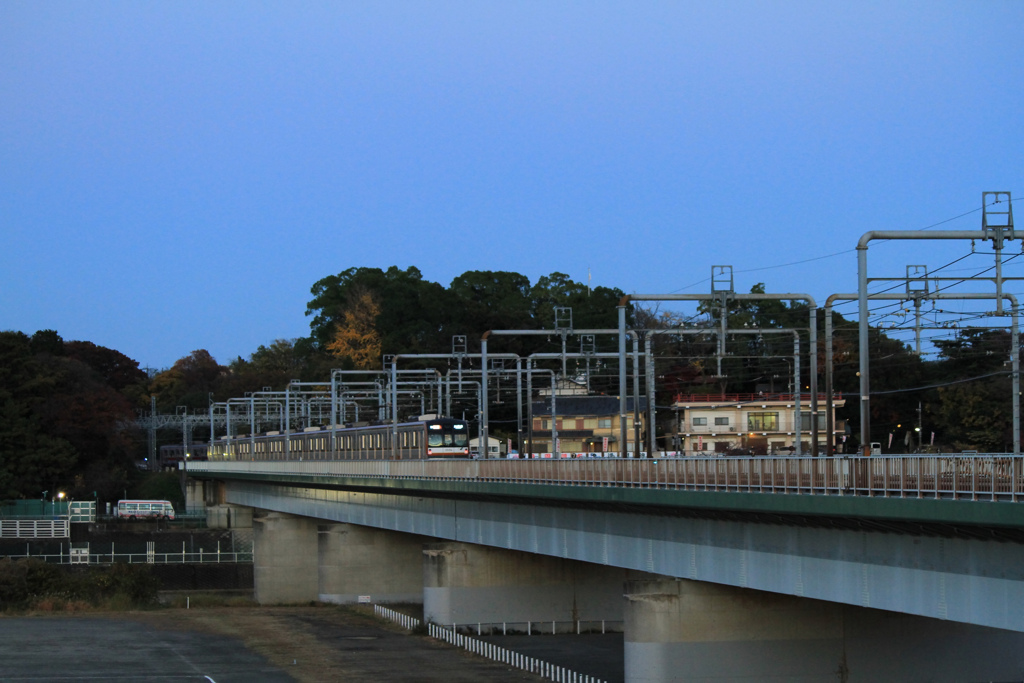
(234, 644)
(49, 648)
(598, 655)
(109, 649)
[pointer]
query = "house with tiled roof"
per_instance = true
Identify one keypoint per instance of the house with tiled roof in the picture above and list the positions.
(585, 424)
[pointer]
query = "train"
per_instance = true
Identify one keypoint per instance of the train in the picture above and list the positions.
(428, 439)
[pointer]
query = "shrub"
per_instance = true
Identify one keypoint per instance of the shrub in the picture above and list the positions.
(32, 582)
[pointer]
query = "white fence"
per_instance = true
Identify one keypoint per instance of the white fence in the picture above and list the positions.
(490, 651)
(35, 528)
(81, 553)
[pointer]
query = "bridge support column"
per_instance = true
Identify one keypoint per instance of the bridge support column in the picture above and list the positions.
(470, 584)
(354, 561)
(680, 630)
(284, 558)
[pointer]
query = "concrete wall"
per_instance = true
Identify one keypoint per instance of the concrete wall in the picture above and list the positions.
(227, 516)
(285, 558)
(465, 583)
(680, 630)
(354, 561)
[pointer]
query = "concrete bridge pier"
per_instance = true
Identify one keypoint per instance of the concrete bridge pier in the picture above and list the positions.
(299, 559)
(468, 584)
(682, 630)
(284, 558)
(385, 566)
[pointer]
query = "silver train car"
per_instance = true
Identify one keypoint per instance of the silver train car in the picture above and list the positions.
(440, 438)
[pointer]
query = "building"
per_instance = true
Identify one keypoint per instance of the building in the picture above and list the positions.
(756, 424)
(495, 447)
(585, 424)
(170, 455)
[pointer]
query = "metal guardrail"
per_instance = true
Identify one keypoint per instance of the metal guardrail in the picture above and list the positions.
(992, 477)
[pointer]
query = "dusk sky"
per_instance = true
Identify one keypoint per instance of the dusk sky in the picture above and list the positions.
(176, 175)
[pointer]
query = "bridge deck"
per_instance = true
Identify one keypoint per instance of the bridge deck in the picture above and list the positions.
(926, 489)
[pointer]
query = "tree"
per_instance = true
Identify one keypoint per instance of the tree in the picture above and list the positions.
(416, 316)
(492, 300)
(117, 370)
(592, 308)
(189, 382)
(973, 408)
(356, 337)
(275, 365)
(60, 420)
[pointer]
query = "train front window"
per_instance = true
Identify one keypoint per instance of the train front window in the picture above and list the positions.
(435, 437)
(461, 435)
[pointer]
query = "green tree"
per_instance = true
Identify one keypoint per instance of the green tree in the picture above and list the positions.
(973, 407)
(60, 421)
(493, 300)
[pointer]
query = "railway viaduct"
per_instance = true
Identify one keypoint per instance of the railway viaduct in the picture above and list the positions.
(721, 569)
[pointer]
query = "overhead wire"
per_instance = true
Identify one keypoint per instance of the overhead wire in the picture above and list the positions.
(838, 253)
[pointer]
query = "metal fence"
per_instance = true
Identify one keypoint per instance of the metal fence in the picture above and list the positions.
(971, 477)
(81, 553)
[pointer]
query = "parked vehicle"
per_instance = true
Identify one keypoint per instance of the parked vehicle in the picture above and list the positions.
(144, 509)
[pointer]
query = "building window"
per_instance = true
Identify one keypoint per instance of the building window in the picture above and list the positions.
(763, 422)
(545, 424)
(699, 421)
(805, 421)
(721, 420)
(604, 423)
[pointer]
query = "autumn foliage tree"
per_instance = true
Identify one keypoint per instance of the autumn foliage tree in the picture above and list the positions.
(356, 336)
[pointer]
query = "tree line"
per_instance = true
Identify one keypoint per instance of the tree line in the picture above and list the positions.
(65, 405)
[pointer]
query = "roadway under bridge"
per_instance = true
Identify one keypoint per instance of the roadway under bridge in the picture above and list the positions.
(755, 569)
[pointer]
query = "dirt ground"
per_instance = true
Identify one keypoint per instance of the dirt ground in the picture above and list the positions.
(333, 643)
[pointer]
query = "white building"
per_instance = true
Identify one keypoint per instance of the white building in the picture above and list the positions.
(494, 447)
(760, 424)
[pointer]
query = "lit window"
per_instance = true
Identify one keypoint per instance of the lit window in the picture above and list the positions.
(763, 422)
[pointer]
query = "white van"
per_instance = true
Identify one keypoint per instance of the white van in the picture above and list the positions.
(144, 509)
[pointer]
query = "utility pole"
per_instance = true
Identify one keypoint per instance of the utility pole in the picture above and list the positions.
(920, 425)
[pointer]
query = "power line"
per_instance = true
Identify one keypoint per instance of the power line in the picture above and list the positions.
(838, 253)
(943, 384)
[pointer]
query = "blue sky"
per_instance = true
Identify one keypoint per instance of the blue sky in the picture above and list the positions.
(176, 175)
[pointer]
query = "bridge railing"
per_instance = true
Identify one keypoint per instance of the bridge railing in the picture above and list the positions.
(972, 477)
